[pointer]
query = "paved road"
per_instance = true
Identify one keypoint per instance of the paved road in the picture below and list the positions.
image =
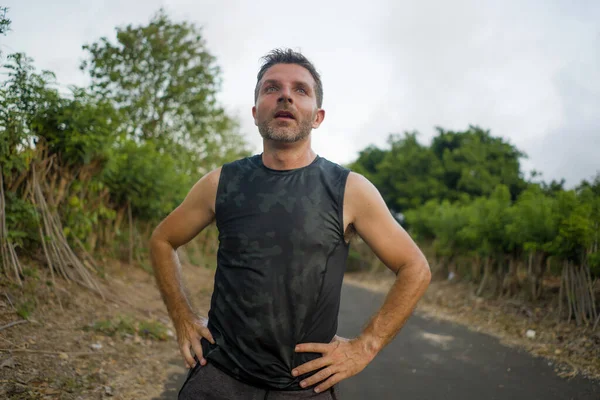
(432, 360)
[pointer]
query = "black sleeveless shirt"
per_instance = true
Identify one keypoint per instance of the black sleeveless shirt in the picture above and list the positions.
(280, 267)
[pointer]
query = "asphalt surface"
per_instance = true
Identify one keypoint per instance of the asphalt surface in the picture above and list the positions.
(432, 359)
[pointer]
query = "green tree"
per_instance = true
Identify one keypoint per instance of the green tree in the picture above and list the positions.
(138, 174)
(4, 21)
(533, 227)
(165, 82)
(487, 220)
(408, 174)
(590, 191)
(22, 96)
(368, 161)
(475, 163)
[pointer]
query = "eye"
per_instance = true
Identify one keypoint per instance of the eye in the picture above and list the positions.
(270, 89)
(302, 90)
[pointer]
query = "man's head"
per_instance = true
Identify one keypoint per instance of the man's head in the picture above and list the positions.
(288, 97)
(288, 56)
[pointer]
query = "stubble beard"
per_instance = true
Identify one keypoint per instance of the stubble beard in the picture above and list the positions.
(284, 134)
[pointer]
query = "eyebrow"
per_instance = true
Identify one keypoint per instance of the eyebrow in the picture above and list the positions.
(276, 82)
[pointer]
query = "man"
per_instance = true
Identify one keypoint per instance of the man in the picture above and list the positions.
(285, 218)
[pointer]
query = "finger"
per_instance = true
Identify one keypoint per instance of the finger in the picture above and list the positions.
(187, 356)
(313, 347)
(206, 334)
(311, 366)
(198, 350)
(333, 380)
(318, 377)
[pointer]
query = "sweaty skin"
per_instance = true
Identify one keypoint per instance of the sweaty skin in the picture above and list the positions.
(287, 145)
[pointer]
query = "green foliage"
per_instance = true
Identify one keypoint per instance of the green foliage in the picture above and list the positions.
(21, 220)
(576, 228)
(25, 308)
(465, 197)
(367, 163)
(449, 222)
(79, 130)
(533, 221)
(594, 264)
(142, 175)
(406, 174)
(422, 219)
(22, 96)
(486, 219)
(456, 166)
(121, 326)
(140, 136)
(153, 329)
(164, 81)
(78, 218)
(475, 163)
(126, 325)
(4, 21)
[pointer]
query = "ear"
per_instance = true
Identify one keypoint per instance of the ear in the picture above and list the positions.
(318, 118)
(254, 115)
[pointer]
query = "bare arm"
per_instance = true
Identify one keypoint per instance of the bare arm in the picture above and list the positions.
(195, 213)
(394, 247)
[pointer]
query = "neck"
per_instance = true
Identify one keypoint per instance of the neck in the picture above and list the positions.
(284, 156)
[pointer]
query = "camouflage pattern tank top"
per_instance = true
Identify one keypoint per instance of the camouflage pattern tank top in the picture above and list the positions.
(280, 266)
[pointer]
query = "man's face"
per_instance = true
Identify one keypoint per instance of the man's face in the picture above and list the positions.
(286, 107)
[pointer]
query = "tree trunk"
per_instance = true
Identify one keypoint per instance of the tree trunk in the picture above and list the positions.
(487, 274)
(8, 256)
(476, 268)
(576, 287)
(537, 267)
(119, 218)
(440, 269)
(130, 232)
(510, 283)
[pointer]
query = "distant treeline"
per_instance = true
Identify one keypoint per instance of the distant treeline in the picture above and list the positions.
(465, 199)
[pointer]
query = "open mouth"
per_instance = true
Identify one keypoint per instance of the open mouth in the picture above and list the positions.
(284, 115)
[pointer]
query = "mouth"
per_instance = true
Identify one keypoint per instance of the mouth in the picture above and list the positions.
(284, 115)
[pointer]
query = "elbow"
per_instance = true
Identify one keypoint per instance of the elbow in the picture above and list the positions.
(425, 273)
(418, 268)
(155, 238)
(420, 272)
(158, 240)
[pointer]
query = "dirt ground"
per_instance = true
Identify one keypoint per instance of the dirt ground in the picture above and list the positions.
(77, 346)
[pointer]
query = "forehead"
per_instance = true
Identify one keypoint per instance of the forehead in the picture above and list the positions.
(288, 73)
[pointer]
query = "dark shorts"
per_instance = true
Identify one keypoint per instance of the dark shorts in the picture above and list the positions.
(210, 383)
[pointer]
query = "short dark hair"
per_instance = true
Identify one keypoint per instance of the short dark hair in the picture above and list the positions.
(289, 56)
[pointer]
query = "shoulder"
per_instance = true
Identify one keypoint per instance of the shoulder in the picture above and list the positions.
(212, 178)
(362, 198)
(203, 192)
(358, 185)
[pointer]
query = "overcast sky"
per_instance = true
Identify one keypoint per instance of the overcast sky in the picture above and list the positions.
(529, 71)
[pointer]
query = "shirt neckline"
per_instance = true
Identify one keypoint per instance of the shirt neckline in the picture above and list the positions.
(259, 161)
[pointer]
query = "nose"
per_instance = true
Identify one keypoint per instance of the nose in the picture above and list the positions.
(285, 96)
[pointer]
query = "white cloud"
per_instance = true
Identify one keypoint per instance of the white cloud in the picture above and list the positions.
(526, 70)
